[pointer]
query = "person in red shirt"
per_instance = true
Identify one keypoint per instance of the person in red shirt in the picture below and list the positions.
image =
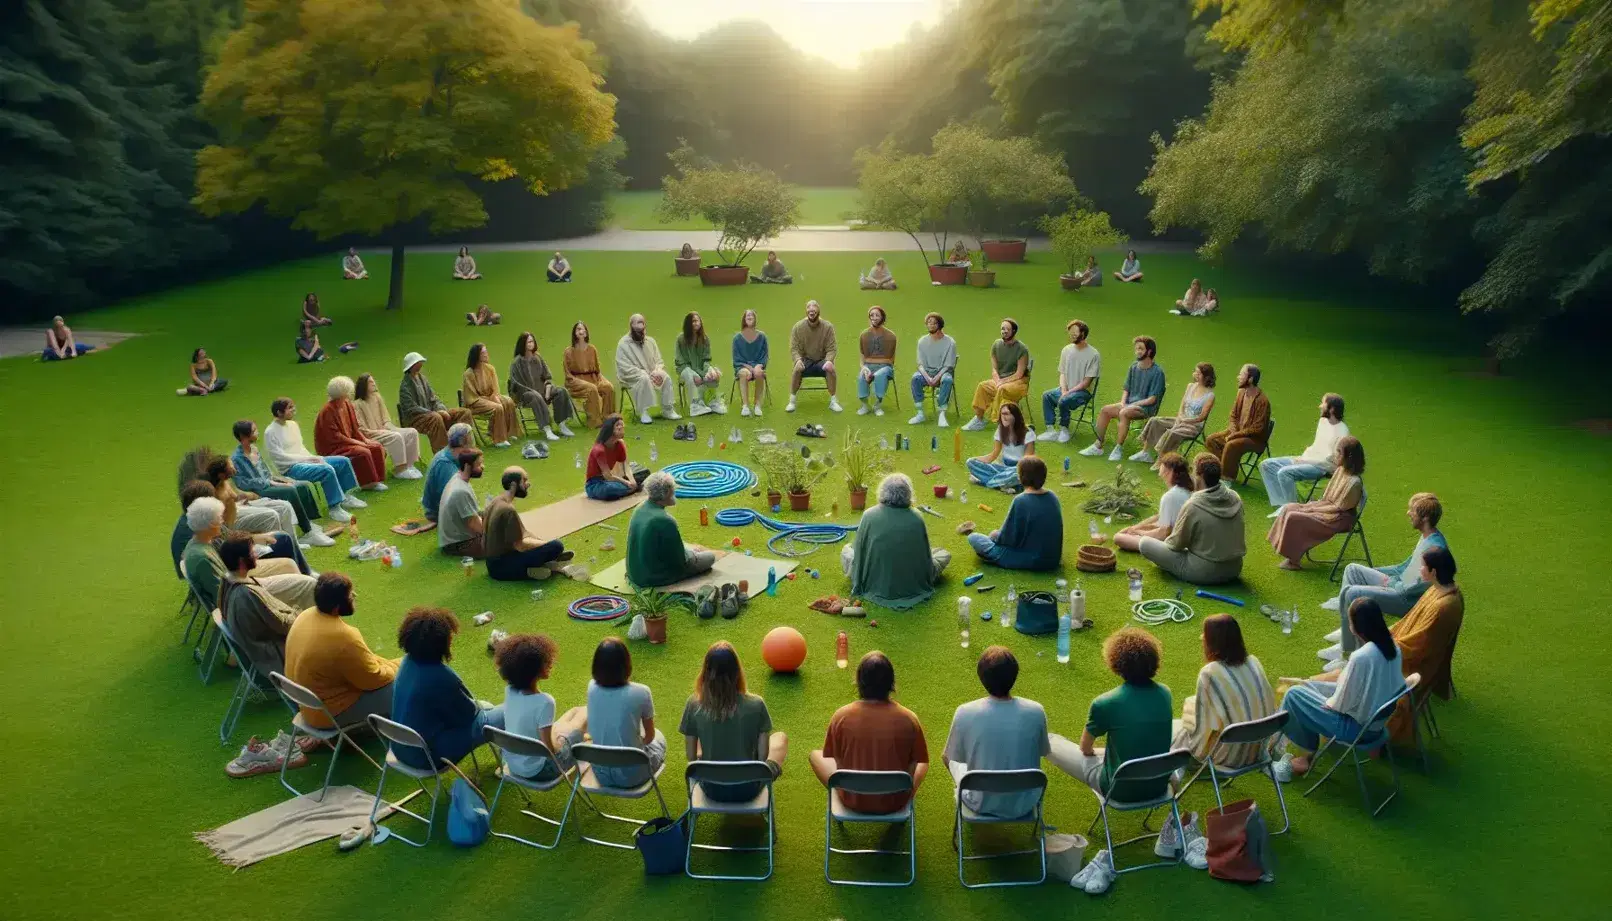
(609, 477)
(874, 734)
(336, 432)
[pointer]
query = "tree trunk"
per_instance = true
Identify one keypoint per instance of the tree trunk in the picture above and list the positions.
(394, 291)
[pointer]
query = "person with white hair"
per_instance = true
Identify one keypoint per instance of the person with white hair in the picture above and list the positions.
(643, 372)
(878, 278)
(205, 570)
(419, 408)
(443, 466)
(656, 554)
(375, 422)
(336, 433)
(891, 562)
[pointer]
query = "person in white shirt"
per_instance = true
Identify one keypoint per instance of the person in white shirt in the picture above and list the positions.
(643, 372)
(282, 440)
(352, 267)
(1335, 705)
(1177, 476)
(1013, 440)
(1282, 475)
(997, 733)
(936, 368)
(1079, 367)
(523, 660)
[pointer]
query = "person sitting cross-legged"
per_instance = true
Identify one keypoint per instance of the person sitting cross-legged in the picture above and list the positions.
(998, 732)
(523, 660)
(559, 269)
(257, 620)
(312, 312)
(1130, 269)
(1177, 478)
(1394, 588)
(464, 266)
(1282, 475)
(1194, 303)
(959, 256)
(773, 272)
(722, 721)
(1031, 538)
(1336, 704)
(891, 562)
(429, 697)
(874, 733)
(700, 377)
(460, 528)
(1079, 366)
(878, 278)
(444, 467)
(483, 316)
(204, 377)
(1009, 380)
(656, 554)
(609, 476)
(1206, 546)
(813, 349)
(352, 267)
(59, 342)
(936, 369)
(1092, 277)
(512, 553)
(308, 348)
(878, 347)
(328, 656)
(1012, 442)
(1144, 390)
(205, 570)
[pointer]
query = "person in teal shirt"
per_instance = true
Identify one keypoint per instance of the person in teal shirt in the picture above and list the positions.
(656, 554)
(1134, 719)
(443, 467)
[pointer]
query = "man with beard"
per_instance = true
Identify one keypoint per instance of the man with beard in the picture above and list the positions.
(878, 346)
(258, 621)
(512, 554)
(1009, 380)
(812, 347)
(1245, 430)
(459, 525)
(643, 372)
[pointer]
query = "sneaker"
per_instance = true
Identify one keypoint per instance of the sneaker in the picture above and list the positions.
(410, 473)
(918, 419)
(834, 405)
(1117, 454)
(689, 432)
(1275, 514)
(181, 392)
(643, 418)
(566, 431)
(756, 411)
(1331, 604)
(720, 407)
(529, 451)
(1097, 876)
(790, 406)
(942, 420)
(1143, 456)
(551, 434)
(260, 757)
(863, 409)
(1330, 654)
(338, 515)
(318, 538)
(698, 408)
(1196, 854)
(1283, 769)
(744, 410)
(539, 573)
(378, 487)
(976, 424)
(1064, 435)
(354, 502)
(878, 409)
(1335, 636)
(1175, 839)
(1095, 449)
(671, 414)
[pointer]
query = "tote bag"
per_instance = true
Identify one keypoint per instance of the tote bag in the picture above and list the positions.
(1239, 843)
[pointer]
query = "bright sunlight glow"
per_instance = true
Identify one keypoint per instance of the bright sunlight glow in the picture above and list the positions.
(839, 31)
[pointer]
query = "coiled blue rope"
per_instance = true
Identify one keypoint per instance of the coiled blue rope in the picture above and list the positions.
(784, 543)
(710, 479)
(598, 607)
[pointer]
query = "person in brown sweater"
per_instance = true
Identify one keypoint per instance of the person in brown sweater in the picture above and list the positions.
(512, 553)
(1426, 636)
(1248, 428)
(813, 348)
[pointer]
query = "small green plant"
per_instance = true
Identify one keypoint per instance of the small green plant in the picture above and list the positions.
(1078, 234)
(861, 462)
(653, 603)
(1119, 496)
(791, 470)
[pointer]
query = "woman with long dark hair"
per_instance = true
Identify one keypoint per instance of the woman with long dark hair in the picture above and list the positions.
(1335, 705)
(464, 266)
(583, 379)
(1177, 478)
(1301, 526)
(532, 385)
(724, 722)
(750, 363)
(1013, 441)
(1164, 434)
(1232, 688)
(1130, 269)
(609, 476)
(204, 377)
(621, 712)
(692, 360)
(375, 422)
(482, 398)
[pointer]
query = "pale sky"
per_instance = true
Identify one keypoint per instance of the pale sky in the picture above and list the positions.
(837, 30)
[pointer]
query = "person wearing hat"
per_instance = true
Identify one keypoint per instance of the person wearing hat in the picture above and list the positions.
(419, 408)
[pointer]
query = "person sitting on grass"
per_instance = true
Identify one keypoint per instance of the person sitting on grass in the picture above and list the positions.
(205, 570)
(1211, 303)
(460, 529)
(1012, 442)
(328, 656)
(773, 272)
(656, 554)
(531, 384)
(204, 377)
(375, 423)
(512, 554)
(484, 316)
(874, 733)
(813, 348)
(1394, 588)
(523, 660)
(1281, 475)
(621, 712)
(936, 369)
(444, 467)
(1163, 434)
(891, 562)
(959, 256)
(722, 721)
(559, 270)
(312, 312)
(352, 267)
(609, 476)
(336, 433)
(1177, 478)
(998, 732)
(1144, 390)
(1206, 546)
(308, 348)
(59, 344)
(1130, 269)
(1246, 430)
(701, 379)
(419, 408)
(1300, 527)
(1031, 538)
(878, 278)
(1335, 705)
(1232, 688)
(688, 252)
(643, 372)
(1426, 636)
(464, 266)
(878, 347)
(253, 475)
(750, 357)
(1092, 277)
(429, 697)
(480, 389)
(1009, 380)
(1193, 302)
(1079, 366)
(257, 620)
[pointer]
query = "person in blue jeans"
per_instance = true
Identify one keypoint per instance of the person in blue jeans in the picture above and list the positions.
(1282, 475)
(937, 364)
(1079, 367)
(1395, 589)
(1337, 704)
(1012, 442)
(429, 697)
(1032, 536)
(282, 440)
(878, 347)
(608, 476)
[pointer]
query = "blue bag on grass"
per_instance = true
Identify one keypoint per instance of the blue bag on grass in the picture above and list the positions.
(468, 821)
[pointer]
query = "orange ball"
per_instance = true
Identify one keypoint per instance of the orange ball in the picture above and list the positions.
(783, 649)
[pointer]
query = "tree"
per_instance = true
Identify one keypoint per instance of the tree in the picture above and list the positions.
(992, 178)
(361, 116)
(745, 203)
(904, 192)
(1077, 234)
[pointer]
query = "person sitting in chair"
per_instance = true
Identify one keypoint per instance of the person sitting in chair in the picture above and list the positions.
(1133, 720)
(290, 455)
(1144, 389)
(484, 316)
(1281, 475)
(656, 554)
(59, 344)
(253, 474)
(1206, 546)
(1079, 366)
(444, 467)
(1163, 434)
(481, 396)
(701, 379)
(1301, 527)
(1031, 538)
(513, 554)
(1232, 688)
(1177, 478)
(1009, 380)
(813, 348)
(1426, 636)
(464, 267)
(419, 408)
(257, 620)
(375, 423)
(621, 712)
(643, 372)
(1246, 428)
(205, 570)
(722, 721)
(773, 272)
(998, 732)
(336, 433)
(204, 377)
(311, 311)
(874, 733)
(891, 562)
(328, 656)
(750, 358)
(583, 379)
(959, 256)
(1130, 269)
(1335, 705)
(352, 267)
(523, 660)
(878, 347)
(429, 697)
(1396, 589)
(936, 369)
(531, 384)
(878, 278)
(559, 270)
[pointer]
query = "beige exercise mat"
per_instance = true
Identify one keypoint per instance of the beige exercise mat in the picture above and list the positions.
(730, 567)
(567, 516)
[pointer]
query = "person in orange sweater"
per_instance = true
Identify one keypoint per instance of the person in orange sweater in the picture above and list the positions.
(327, 655)
(1426, 636)
(336, 433)
(1246, 429)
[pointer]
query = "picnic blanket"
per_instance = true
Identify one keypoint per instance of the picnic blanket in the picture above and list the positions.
(292, 824)
(730, 567)
(567, 516)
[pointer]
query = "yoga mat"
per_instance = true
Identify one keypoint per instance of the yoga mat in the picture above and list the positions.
(567, 516)
(730, 567)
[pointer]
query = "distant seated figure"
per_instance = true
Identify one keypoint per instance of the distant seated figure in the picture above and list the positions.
(559, 269)
(1092, 277)
(59, 344)
(308, 347)
(1211, 302)
(352, 267)
(1130, 269)
(959, 255)
(464, 267)
(879, 278)
(1194, 303)
(484, 316)
(311, 311)
(1032, 536)
(1206, 546)
(204, 377)
(688, 252)
(656, 554)
(773, 272)
(891, 563)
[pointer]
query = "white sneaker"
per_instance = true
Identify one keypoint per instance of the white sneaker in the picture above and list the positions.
(670, 415)
(862, 410)
(790, 406)
(1117, 454)
(643, 418)
(744, 410)
(318, 538)
(410, 473)
(378, 487)
(1331, 604)
(1283, 768)
(354, 502)
(1174, 838)
(1143, 457)
(976, 424)
(1095, 449)
(1097, 876)
(756, 411)
(1332, 653)
(919, 419)
(1335, 636)
(1064, 435)
(878, 409)
(834, 405)
(339, 515)
(502, 444)
(550, 434)
(720, 407)
(697, 408)
(566, 432)
(942, 420)
(1196, 854)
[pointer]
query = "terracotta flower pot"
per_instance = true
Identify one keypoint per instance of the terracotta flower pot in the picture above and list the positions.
(774, 498)
(800, 501)
(859, 499)
(982, 278)
(689, 266)
(1003, 250)
(948, 274)
(713, 275)
(655, 627)
(1069, 282)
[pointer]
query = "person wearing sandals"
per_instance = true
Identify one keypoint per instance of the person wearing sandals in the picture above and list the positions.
(429, 697)
(523, 660)
(656, 554)
(1031, 538)
(1336, 704)
(722, 721)
(891, 562)
(512, 554)
(1177, 478)
(621, 712)
(609, 476)
(204, 377)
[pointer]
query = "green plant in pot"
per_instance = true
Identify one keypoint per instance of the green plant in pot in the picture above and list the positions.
(1076, 235)
(792, 471)
(654, 605)
(861, 462)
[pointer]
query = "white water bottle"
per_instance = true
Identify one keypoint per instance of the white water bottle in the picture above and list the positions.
(963, 604)
(654, 452)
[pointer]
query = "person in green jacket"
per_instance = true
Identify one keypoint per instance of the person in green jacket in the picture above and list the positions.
(891, 563)
(656, 554)
(693, 362)
(1206, 546)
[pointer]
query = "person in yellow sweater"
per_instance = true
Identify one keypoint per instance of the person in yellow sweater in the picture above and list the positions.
(327, 655)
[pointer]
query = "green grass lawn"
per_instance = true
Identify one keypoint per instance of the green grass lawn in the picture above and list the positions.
(113, 754)
(636, 210)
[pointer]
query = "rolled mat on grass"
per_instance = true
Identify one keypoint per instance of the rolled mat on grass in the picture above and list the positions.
(730, 567)
(567, 516)
(295, 823)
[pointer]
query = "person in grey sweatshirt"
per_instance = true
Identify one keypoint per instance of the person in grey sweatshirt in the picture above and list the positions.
(1206, 547)
(937, 362)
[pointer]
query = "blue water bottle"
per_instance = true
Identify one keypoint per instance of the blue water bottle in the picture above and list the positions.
(1063, 636)
(1066, 464)
(772, 581)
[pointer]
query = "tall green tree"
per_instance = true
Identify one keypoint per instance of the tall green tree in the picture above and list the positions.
(361, 116)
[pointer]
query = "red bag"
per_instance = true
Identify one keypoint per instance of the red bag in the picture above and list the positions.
(1239, 843)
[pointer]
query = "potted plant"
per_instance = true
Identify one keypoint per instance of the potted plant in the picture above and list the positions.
(904, 192)
(991, 179)
(654, 605)
(792, 471)
(745, 204)
(1076, 235)
(860, 462)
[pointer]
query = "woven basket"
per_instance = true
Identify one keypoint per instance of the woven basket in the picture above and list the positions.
(1094, 558)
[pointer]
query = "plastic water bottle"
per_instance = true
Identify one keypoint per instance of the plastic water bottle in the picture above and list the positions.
(772, 581)
(537, 594)
(963, 604)
(469, 563)
(884, 443)
(1012, 593)
(1063, 637)
(1136, 585)
(1066, 463)
(577, 459)
(842, 650)
(1091, 527)
(963, 496)
(934, 442)
(654, 452)
(397, 558)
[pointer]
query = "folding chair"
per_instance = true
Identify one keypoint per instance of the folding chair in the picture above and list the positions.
(930, 393)
(589, 756)
(245, 688)
(191, 605)
(869, 783)
(1251, 732)
(395, 733)
(1153, 767)
(509, 743)
(1314, 485)
(1024, 401)
(701, 775)
(1026, 780)
(301, 698)
(481, 425)
(1086, 413)
(1358, 529)
(766, 389)
(1372, 735)
(1250, 462)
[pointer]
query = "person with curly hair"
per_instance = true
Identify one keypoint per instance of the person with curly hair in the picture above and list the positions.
(1133, 719)
(523, 660)
(429, 697)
